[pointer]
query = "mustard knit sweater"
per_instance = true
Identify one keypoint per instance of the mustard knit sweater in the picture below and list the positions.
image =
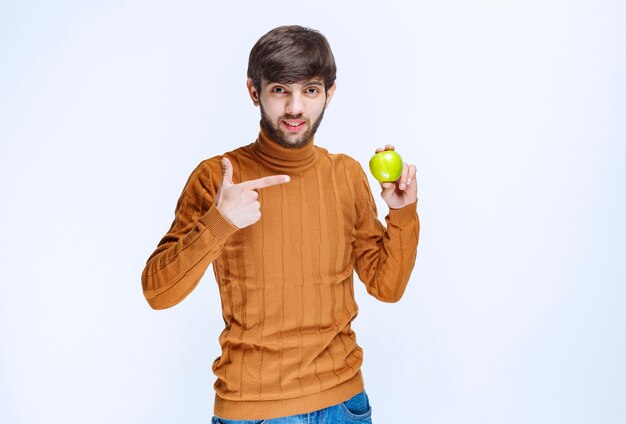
(286, 282)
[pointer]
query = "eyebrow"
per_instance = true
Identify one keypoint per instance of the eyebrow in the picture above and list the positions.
(306, 84)
(314, 82)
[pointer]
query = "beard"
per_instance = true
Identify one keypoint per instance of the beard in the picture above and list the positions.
(283, 139)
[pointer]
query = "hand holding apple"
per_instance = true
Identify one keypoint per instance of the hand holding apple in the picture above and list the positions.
(386, 166)
(397, 178)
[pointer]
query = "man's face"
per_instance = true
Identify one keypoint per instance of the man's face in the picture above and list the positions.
(291, 113)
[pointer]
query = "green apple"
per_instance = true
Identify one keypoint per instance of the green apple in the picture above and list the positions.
(386, 166)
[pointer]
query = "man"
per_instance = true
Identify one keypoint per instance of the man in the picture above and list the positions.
(285, 224)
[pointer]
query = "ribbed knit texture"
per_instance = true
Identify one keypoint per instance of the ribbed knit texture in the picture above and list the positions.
(286, 282)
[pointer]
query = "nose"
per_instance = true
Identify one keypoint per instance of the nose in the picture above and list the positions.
(294, 104)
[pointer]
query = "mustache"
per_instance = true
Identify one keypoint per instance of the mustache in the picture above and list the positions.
(288, 116)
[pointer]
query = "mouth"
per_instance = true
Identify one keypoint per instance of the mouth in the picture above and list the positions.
(293, 125)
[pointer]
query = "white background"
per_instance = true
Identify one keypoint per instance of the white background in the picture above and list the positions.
(513, 111)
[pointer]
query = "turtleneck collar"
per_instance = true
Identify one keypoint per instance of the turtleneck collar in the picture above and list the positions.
(283, 158)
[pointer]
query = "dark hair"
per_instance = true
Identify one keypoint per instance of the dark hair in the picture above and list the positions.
(289, 54)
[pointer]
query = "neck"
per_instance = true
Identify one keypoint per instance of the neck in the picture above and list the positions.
(283, 158)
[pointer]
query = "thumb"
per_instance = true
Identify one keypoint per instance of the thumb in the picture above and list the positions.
(227, 172)
(387, 188)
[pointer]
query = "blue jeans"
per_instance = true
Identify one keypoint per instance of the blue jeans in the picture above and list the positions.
(354, 410)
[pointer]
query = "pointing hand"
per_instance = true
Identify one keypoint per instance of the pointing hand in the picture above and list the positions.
(239, 203)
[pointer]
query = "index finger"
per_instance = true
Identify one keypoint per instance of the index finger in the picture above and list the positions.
(387, 147)
(265, 182)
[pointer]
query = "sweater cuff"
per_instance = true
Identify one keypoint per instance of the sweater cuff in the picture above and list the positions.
(407, 212)
(219, 226)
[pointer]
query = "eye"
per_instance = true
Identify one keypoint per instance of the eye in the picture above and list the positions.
(312, 91)
(279, 90)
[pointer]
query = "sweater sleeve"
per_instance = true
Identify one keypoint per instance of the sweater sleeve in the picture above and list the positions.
(384, 258)
(194, 240)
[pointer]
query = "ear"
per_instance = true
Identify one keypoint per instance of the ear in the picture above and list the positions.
(329, 94)
(254, 94)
